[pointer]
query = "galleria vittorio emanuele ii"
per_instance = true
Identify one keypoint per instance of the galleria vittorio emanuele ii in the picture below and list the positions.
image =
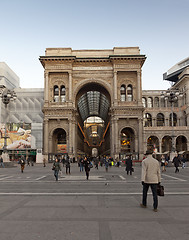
(93, 104)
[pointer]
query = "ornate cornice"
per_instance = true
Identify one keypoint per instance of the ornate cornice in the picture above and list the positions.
(56, 111)
(72, 59)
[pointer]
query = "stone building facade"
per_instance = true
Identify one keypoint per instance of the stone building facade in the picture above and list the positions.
(93, 103)
(161, 132)
(74, 79)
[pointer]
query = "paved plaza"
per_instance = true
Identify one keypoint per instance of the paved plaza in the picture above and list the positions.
(106, 207)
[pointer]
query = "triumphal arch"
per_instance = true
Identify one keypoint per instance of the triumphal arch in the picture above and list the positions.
(93, 101)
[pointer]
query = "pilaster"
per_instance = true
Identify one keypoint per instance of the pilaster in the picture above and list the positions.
(46, 140)
(46, 87)
(139, 87)
(70, 86)
(140, 137)
(115, 85)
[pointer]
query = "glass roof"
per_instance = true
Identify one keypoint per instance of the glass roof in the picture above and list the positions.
(93, 107)
(93, 103)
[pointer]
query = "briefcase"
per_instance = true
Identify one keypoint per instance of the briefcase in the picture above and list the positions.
(160, 190)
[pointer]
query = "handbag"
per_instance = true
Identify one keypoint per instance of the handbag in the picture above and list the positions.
(160, 190)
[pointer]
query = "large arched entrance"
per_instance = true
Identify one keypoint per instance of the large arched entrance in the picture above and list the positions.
(153, 144)
(181, 143)
(59, 141)
(166, 144)
(93, 104)
(127, 140)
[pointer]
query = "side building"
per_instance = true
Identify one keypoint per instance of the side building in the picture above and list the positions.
(166, 114)
(23, 118)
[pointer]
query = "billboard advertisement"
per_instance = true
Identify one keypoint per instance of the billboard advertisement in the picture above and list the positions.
(18, 136)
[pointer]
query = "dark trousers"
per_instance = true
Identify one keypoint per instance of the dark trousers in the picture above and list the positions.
(67, 170)
(176, 169)
(87, 174)
(22, 168)
(154, 192)
(56, 174)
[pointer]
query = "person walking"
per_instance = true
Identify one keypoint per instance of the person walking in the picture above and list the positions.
(22, 163)
(163, 163)
(56, 167)
(68, 166)
(28, 161)
(81, 162)
(106, 165)
(129, 165)
(96, 162)
(150, 177)
(183, 160)
(1, 162)
(87, 167)
(176, 162)
(44, 162)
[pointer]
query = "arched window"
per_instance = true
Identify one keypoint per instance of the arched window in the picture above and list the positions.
(56, 93)
(123, 93)
(162, 102)
(129, 93)
(156, 102)
(160, 120)
(150, 102)
(147, 120)
(144, 102)
(174, 120)
(63, 94)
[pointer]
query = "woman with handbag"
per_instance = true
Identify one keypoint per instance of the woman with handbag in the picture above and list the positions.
(56, 167)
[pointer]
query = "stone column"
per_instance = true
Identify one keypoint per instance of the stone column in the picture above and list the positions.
(160, 146)
(154, 122)
(46, 87)
(112, 137)
(167, 122)
(136, 144)
(139, 87)
(116, 138)
(70, 137)
(70, 86)
(140, 138)
(45, 137)
(74, 138)
(115, 85)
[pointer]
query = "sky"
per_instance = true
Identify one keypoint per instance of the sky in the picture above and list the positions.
(158, 28)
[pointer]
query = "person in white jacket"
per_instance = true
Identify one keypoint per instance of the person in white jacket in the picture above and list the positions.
(151, 176)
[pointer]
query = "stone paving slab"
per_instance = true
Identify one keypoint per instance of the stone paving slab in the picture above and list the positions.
(93, 211)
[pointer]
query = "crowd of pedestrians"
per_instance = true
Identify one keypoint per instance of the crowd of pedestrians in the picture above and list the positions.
(150, 172)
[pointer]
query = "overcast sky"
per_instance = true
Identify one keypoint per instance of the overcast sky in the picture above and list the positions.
(159, 28)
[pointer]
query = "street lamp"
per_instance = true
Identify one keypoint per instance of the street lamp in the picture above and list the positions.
(172, 96)
(6, 95)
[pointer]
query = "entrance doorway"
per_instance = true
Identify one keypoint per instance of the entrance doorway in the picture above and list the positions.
(93, 104)
(59, 141)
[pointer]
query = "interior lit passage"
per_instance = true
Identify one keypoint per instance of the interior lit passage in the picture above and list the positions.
(93, 123)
